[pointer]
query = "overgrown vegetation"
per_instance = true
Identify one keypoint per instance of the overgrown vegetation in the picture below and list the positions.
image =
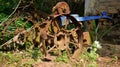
(31, 56)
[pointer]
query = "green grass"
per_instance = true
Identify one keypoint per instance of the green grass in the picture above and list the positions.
(18, 59)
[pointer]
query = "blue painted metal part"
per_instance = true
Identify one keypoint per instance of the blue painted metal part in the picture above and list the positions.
(76, 16)
(104, 15)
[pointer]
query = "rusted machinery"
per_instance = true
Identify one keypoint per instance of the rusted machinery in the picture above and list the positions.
(60, 31)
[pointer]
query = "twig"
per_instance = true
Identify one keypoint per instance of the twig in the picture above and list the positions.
(4, 30)
(15, 38)
(10, 14)
(51, 48)
(50, 35)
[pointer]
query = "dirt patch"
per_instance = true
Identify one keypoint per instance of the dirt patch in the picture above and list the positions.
(52, 64)
(110, 50)
(107, 62)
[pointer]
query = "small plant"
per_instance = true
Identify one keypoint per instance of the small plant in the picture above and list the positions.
(114, 59)
(93, 55)
(63, 57)
(89, 58)
(36, 54)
